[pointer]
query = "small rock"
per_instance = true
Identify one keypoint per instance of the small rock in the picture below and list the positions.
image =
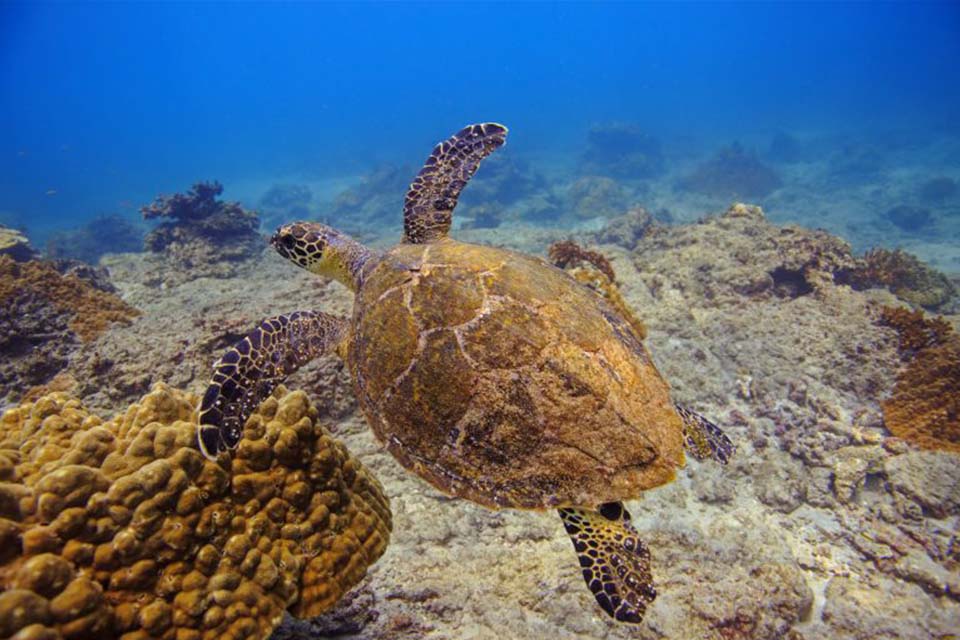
(919, 568)
(781, 482)
(929, 478)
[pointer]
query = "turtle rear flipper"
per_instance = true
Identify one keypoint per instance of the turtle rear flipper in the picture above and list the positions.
(703, 439)
(252, 368)
(615, 562)
(428, 206)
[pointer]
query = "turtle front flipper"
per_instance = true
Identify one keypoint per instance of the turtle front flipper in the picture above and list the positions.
(615, 562)
(703, 439)
(252, 368)
(428, 207)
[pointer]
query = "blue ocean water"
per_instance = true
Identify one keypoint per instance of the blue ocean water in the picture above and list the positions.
(105, 105)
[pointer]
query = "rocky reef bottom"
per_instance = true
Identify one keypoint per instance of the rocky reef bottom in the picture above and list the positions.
(823, 525)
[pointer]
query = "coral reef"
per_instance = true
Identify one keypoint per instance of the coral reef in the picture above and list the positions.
(596, 196)
(103, 234)
(122, 528)
(909, 217)
(924, 407)
(621, 150)
(43, 317)
(903, 275)
(938, 190)
(733, 172)
(747, 322)
(15, 244)
(793, 261)
(202, 235)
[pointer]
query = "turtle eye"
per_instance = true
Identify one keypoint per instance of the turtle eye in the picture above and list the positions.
(288, 241)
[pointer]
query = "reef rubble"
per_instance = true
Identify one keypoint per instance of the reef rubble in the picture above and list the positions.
(200, 235)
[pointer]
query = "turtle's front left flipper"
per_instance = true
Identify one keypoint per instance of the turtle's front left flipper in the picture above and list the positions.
(252, 368)
(615, 562)
(703, 439)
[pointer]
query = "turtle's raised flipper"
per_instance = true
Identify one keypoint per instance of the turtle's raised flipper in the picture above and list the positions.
(703, 439)
(252, 368)
(615, 562)
(428, 207)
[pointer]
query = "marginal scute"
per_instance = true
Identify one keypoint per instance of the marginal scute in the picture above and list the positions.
(125, 529)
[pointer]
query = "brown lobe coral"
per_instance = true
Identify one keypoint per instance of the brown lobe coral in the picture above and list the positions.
(904, 275)
(124, 529)
(924, 407)
(91, 311)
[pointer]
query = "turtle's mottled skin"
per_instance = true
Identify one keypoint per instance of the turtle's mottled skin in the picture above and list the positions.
(491, 374)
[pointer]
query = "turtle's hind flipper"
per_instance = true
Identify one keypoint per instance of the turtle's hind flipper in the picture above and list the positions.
(703, 439)
(615, 562)
(252, 368)
(428, 207)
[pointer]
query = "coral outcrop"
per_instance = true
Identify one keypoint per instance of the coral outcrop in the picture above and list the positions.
(904, 275)
(924, 407)
(200, 234)
(733, 172)
(44, 315)
(622, 150)
(626, 230)
(790, 263)
(123, 529)
(15, 244)
(103, 234)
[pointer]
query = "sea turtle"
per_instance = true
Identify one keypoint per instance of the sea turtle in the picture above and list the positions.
(491, 374)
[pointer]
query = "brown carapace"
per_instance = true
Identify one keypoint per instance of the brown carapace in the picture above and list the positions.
(493, 375)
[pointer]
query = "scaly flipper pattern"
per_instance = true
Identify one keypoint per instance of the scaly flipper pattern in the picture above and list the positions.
(252, 368)
(428, 207)
(703, 439)
(615, 562)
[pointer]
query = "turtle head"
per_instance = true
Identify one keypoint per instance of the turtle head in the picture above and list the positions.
(322, 250)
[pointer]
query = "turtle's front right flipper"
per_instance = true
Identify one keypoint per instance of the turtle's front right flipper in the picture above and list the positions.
(252, 368)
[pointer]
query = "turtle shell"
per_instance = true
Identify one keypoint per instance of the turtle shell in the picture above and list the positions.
(500, 379)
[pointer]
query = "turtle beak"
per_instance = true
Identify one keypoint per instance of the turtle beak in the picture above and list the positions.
(284, 240)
